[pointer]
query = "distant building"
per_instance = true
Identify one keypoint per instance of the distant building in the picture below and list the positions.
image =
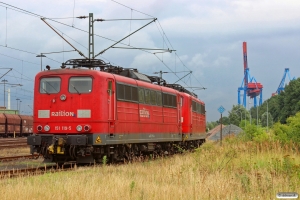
(3, 110)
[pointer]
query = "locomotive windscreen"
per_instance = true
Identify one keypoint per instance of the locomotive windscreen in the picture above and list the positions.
(50, 85)
(80, 85)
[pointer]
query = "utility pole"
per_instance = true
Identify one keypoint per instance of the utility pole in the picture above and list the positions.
(18, 104)
(42, 55)
(4, 81)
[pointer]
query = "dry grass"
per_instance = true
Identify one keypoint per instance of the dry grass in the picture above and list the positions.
(232, 171)
(15, 151)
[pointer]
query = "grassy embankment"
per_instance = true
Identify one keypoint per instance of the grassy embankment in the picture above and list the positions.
(235, 170)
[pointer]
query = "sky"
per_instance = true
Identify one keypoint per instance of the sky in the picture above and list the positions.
(207, 37)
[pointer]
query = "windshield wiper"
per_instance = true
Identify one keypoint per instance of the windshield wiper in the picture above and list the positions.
(52, 87)
(75, 89)
(46, 91)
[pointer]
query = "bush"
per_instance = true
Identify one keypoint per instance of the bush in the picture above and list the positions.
(281, 132)
(290, 131)
(254, 133)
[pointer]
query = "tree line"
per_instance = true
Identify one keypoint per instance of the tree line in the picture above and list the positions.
(277, 108)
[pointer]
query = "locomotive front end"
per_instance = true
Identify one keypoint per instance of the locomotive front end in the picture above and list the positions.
(67, 110)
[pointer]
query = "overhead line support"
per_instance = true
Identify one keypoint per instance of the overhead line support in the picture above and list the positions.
(91, 35)
(80, 53)
(124, 38)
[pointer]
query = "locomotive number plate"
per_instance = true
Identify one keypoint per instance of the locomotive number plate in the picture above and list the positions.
(63, 128)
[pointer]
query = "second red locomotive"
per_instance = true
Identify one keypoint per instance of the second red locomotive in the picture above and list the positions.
(82, 114)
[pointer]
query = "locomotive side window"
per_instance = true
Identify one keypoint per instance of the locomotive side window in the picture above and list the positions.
(80, 85)
(169, 100)
(159, 99)
(127, 93)
(50, 85)
(141, 95)
(147, 96)
(153, 97)
(134, 92)
(120, 91)
(199, 108)
(203, 109)
(165, 99)
(194, 105)
(174, 101)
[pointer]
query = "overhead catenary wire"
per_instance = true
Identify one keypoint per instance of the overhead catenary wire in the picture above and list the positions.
(17, 78)
(18, 59)
(18, 49)
(25, 52)
(164, 35)
(39, 16)
(132, 8)
(28, 78)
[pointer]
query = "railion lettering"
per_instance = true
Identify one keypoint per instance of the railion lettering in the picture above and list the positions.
(62, 113)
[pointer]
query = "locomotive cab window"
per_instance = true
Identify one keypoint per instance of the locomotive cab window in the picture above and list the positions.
(80, 85)
(50, 85)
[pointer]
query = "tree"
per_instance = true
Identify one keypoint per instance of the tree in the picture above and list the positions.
(287, 103)
(237, 114)
(211, 125)
(225, 120)
(267, 119)
(291, 100)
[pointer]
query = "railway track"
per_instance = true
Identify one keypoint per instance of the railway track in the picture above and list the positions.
(13, 143)
(14, 173)
(12, 158)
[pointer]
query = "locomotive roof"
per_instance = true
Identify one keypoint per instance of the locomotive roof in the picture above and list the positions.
(83, 64)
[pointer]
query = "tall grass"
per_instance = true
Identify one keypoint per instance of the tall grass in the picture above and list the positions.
(235, 170)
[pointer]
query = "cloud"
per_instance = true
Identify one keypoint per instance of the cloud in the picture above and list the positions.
(198, 60)
(221, 61)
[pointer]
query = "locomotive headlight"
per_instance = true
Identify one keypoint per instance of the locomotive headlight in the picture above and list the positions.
(79, 128)
(63, 97)
(87, 128)
(47, 128)
(39, 128)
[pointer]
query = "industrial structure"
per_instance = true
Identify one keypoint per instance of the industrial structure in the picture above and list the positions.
(281, 85)
(249, 85)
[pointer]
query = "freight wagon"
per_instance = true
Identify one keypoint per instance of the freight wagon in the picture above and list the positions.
(12, 125)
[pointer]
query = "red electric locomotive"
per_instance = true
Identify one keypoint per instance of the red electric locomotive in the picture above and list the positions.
(82, 114)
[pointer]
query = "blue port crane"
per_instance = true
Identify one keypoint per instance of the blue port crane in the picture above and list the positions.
(281, 85)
